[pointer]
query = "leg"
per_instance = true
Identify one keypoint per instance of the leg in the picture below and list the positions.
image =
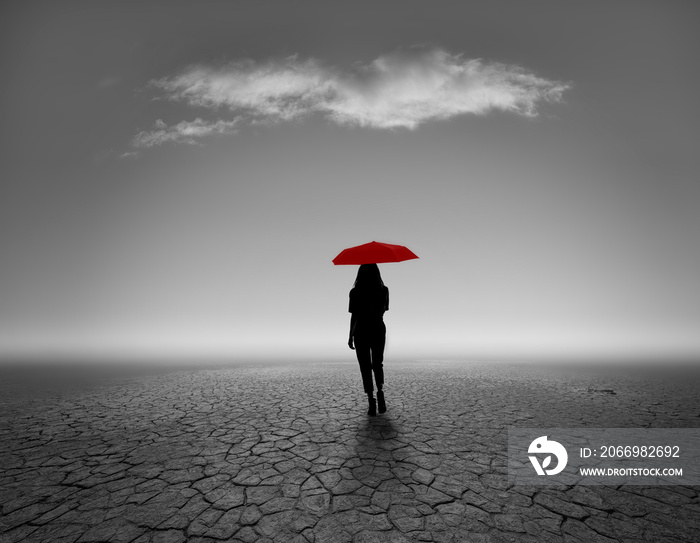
(377, 365)
(363, 350)
(377, 348)
(364, 358)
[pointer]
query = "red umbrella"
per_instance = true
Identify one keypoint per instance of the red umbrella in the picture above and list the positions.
(374, 253)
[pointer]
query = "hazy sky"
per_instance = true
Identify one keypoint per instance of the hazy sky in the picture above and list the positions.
(177, 176)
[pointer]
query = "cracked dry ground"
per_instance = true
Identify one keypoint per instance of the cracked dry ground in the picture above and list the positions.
(287, 453)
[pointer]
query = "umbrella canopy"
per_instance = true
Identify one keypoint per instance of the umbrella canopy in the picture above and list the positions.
(374, 253)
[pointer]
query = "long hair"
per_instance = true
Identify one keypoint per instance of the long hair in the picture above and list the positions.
(368, 277)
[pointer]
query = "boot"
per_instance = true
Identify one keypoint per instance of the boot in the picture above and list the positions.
(372, 412)
(380, 402)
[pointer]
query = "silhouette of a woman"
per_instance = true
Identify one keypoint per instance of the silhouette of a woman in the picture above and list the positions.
(369, 299)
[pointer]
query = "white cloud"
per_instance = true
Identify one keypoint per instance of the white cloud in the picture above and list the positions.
(274, 91)
(182, 132)
(408, 89)
(399, 90)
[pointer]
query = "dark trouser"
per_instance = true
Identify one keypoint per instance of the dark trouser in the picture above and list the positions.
(369, 346)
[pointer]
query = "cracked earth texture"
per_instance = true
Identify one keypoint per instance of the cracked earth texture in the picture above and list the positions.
(274, 452)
